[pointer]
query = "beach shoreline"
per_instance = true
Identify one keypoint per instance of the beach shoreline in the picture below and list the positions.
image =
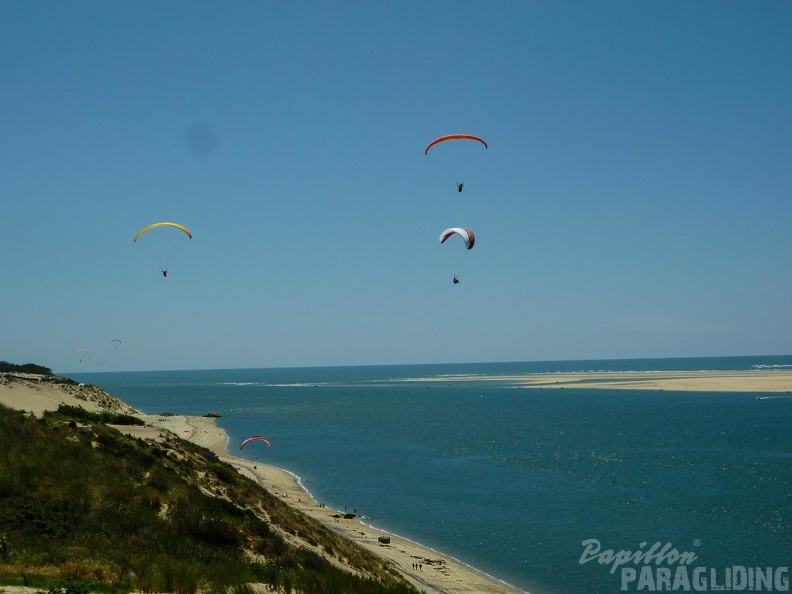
(428, 570)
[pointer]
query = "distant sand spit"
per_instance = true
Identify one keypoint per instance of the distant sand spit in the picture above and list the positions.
(691, 381)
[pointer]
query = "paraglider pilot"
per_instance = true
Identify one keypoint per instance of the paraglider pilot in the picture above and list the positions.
(456, 280)
(460, 185)
(164, 272)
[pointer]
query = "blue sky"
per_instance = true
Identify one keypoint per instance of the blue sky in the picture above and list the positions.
(634, 201)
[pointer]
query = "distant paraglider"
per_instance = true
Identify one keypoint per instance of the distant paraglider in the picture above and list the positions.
(116, 343)
(255, 438)
(467, 237)
(446, 138)
(177, 226)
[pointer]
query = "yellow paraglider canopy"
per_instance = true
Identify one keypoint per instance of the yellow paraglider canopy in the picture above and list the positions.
(163, 224)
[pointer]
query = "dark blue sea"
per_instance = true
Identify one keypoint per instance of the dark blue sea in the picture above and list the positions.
(512, 481)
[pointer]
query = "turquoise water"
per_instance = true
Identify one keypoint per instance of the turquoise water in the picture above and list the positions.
(513, 480)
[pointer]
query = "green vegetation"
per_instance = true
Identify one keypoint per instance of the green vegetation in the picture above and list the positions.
(26, 368)
(109, 418)
(102, 511)
(69, 586)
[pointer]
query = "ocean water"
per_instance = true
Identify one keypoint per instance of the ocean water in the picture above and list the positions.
(513, 481)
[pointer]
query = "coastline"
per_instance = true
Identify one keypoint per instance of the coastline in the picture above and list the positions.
(428, 570)
(436, 572)
(440, 573)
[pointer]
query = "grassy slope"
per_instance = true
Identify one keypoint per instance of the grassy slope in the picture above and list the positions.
(155, 517)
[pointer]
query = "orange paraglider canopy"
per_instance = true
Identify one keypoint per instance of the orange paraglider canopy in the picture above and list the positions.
(454, 137)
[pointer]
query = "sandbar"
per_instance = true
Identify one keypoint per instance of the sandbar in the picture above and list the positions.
(690, 381)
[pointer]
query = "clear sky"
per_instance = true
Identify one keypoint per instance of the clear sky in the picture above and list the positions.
(635, 199)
